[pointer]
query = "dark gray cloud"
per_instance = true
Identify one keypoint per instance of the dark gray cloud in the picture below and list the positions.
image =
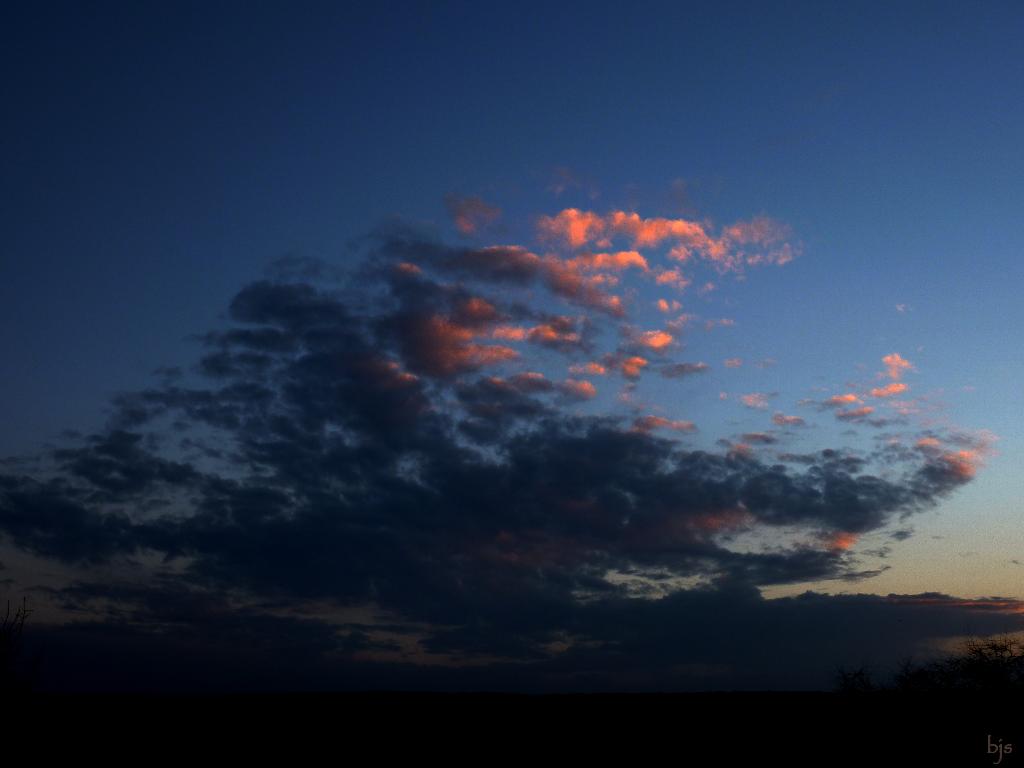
(679, 370)
(350, 450)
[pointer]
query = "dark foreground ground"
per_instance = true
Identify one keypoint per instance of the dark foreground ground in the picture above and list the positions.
(675, 729)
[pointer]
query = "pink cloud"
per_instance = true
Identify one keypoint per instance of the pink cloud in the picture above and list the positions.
(755, 400)
(733, 362)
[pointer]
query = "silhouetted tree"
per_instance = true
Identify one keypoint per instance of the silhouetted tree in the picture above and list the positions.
(12, 626)
(983, 665)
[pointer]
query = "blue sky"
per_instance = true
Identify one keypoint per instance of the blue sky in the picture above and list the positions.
(154, 161)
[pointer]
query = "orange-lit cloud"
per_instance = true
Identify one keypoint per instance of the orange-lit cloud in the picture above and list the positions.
(729, 251)
(509, 333)
(631, 366)
(580, 389)
(613, 261)
(587, 290)
(837, 400)
(475, 312)
(647, 423)
(672, 277)
(787, 421)
(855, 414)
(407, 268)
(839, 541)
(890, 390)
(590, 369)
(441, 347)
(575, 227)
(733, 362)
(722, 521)
(668, 306)
(559, 331)
(656, 340)
(962, 454)
(896, 365)
(755, 400)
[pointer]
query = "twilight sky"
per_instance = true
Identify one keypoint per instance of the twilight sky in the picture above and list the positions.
(541, 348)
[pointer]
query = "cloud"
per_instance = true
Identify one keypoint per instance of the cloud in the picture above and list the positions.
(755, 400)
(381, 448)
(575, 227)
(681, 370)
(588, 369)
(672, 277)
(438, 346)
(896, 366)
(579, 389)
(471, 214)
(615, 262)
(840, 400)
(890, 390)
(629, 366)
(647, 423)
(783, 420)
(723, 322)
(655, 340)
(733, 362)
(751, 243)
(855, 414)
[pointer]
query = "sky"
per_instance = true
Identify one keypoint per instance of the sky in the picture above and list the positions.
(451, 345)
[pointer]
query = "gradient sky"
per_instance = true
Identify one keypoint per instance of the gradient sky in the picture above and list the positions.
(488, 199)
